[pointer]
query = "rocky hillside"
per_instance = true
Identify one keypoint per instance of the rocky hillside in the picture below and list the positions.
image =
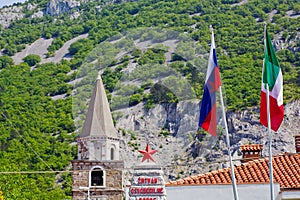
(172, 127)
(53, 8)
(153, 59)
(172, 130)
(9, 15)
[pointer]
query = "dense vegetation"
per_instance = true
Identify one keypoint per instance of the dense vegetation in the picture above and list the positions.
(37, 130)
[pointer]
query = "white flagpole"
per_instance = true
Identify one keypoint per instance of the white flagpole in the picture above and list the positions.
(269, 131)
(236, 197)
(270, 145)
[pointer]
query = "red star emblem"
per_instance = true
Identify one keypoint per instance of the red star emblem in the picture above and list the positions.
(147, 153)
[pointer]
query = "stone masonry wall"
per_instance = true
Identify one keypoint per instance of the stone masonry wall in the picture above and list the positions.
(113, 189)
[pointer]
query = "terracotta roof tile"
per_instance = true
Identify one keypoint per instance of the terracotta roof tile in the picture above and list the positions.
(222, 177)
(251, 147)
(286, 171)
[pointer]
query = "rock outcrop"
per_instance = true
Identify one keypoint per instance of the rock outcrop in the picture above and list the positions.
(172, 129)
(57, 7)
(10, 14)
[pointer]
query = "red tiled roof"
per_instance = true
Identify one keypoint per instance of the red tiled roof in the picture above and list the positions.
(286, 171)
(251, 147)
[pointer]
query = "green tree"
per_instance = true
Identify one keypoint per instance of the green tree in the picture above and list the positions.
(32, 59)
(10, 50)
(80, 46)
(6, 61)
(297, 9)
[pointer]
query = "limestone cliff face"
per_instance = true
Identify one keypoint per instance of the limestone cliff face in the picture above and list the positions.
(53, 8)
(245, 126)
(10, 14)
(182, 152)
(176, 118)
(57, 7)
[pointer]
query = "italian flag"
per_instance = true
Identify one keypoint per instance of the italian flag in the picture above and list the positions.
(271, 76)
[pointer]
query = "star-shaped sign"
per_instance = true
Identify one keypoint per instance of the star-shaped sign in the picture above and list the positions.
(147, 153)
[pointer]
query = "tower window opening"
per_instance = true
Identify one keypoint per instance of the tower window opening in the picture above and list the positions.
(112, 152)
(97, 178)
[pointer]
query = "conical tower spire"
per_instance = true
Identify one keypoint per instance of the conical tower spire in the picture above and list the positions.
(98, 120)
(98, 170)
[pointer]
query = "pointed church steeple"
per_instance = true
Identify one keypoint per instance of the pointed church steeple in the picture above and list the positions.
(98, 171)
(98, 120)
(99, 139)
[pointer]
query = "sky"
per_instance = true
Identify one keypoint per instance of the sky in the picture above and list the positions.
(9, 2)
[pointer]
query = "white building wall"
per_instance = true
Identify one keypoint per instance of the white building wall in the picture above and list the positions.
(224, 192)
(291, 194)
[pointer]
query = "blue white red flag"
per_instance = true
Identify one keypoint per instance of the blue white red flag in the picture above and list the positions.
(208, 111)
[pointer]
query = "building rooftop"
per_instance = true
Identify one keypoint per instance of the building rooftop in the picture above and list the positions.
(286, 172)
(251, 147)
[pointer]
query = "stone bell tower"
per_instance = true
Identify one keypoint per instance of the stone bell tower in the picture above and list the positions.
(98, 171)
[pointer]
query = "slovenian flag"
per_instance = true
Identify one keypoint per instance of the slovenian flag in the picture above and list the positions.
(208, 111)
(272, 76)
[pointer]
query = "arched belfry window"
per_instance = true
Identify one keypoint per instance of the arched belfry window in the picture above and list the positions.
(97, 177)
(112, 153)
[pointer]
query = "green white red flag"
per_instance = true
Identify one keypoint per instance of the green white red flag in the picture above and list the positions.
(272, 76)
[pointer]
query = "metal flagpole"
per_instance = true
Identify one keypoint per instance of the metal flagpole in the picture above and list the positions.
(270, 145)
(236, 197)
(269, 130)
